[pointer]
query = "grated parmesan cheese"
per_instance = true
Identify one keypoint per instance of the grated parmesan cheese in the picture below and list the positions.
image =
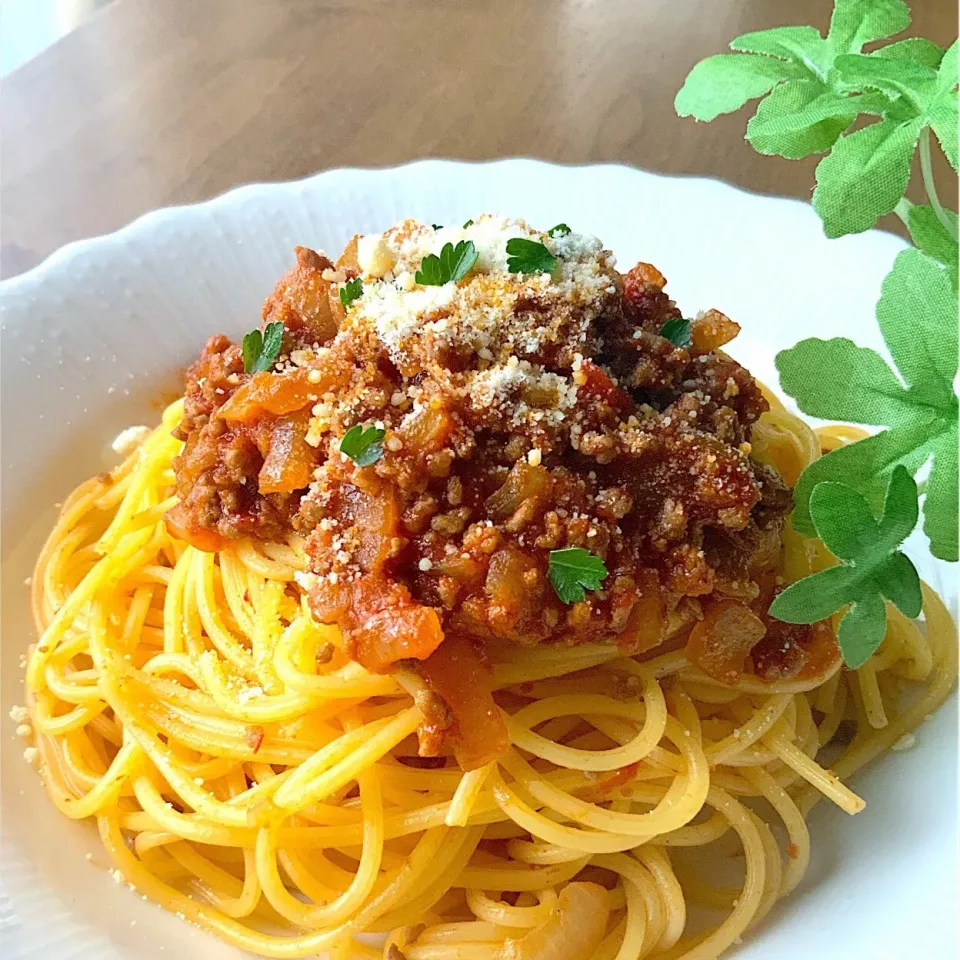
(497, 323)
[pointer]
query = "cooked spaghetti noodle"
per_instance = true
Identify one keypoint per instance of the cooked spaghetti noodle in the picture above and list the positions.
(249, 777)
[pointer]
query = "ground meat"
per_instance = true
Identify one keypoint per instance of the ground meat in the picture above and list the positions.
(219, 470)
(590, 431)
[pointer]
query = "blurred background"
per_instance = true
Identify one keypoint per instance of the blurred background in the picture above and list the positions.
(29, 26)
(110, 108)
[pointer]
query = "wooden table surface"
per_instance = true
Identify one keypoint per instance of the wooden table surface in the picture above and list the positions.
(157, 102)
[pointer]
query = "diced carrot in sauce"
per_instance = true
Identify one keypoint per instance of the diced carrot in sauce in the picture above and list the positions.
(428, 431)
(275, 394)
(407, 633)
(456, 674)
(711, 331)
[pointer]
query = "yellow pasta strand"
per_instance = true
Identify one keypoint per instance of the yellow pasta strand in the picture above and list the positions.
(176, 696)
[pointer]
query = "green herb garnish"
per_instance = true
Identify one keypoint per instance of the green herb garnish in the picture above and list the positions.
(529, 256)
(260, 350)
(677, 331)
(469, 223)
(454, 263)
(574, 570)
(872, 567)
(813, 89)
(437, 226)
(350, 291)
(560, 230)
(363, 445)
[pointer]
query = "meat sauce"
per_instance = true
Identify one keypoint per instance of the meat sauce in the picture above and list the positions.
(596, 432)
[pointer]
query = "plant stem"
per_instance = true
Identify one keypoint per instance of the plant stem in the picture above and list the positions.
(927, 169)
(902, 210)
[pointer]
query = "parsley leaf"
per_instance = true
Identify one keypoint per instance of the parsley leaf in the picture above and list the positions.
(350, 291)
(677, 331)
(835, 379)
(363, 445)
(529, 256)
(469, 223)
(260, 350)
(560, 230)
(871, 567)
(454, 263)
(574, 570)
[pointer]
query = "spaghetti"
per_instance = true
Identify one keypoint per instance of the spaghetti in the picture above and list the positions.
(246, 775)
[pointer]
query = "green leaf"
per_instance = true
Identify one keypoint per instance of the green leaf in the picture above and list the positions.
(677, 331)
(453, 264)
(900, 509)
(917, 313)
(260, 350)
(837, 380)
(802, 45)
(862, 630)
(799, 118)
(843, 520)
(942, 114)
(940, 503)
(867, 465)
(815, 597)
(469, 223)
(930, 235)
(947, 74)
(913, 48)
(529, 256)
(725, 82)
(864, 176)
(252, 347)
(363, 446)
(894, 77)
(574, 570)
(560, 230)
(870, 564)
(899, 582)
(942, 111)
(350, 291)
(856, 22)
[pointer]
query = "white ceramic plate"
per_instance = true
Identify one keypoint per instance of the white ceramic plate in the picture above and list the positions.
(93, 336)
